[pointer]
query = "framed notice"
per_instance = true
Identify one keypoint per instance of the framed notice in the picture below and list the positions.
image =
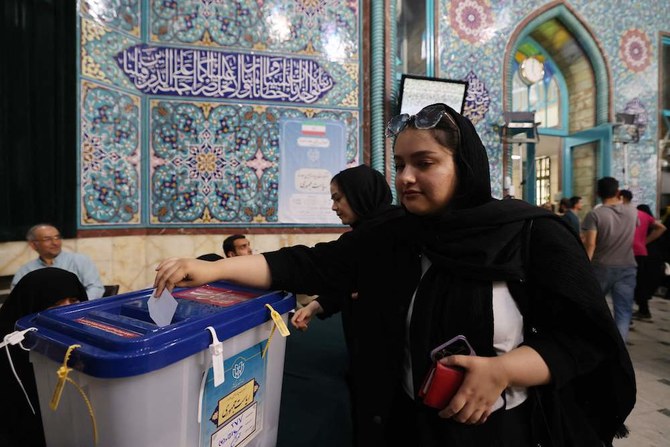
(312, 152)
(416, 92)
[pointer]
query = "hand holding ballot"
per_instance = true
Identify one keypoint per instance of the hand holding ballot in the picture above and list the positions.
(252, 271)
(162, 311)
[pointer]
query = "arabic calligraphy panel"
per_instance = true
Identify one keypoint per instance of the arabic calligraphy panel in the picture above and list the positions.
(226, 75)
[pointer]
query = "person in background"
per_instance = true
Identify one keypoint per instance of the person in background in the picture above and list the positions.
(577, 204)
(36, 291)
(659, 255)
(548, 206)
(46, 240)
(506, 275)
(361, 199)
(573, 205)
(236, 245)
(608, 239)
(647, 231)
(360, 195)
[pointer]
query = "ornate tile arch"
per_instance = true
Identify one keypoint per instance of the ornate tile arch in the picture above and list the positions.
(472, 39)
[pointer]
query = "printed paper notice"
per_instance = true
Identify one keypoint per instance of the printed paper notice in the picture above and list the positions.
(311, 153)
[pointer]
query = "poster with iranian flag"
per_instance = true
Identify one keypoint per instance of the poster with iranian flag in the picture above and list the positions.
(311, 153)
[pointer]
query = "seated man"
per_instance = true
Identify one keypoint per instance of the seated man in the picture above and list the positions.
(45, 239)
(236, 245)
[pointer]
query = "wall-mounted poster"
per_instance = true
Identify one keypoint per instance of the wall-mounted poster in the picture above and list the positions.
(416, 92)
(312, 151)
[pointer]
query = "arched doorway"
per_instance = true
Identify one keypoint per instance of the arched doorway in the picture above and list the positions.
(555, 68)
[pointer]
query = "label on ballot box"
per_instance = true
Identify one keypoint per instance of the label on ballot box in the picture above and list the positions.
(232, 412)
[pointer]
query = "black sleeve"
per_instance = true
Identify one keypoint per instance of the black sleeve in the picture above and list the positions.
(326, 268)
(330, 303)
(571, 326)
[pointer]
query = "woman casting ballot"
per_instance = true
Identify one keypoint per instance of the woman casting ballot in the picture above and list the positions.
(550, 367)
(362, 199)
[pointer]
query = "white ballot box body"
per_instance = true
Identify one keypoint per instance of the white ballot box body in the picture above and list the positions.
(149, 386)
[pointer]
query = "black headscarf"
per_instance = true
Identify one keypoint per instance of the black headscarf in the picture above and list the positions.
(367, 192)
(35, 292)
(472, 165)
(470, 158)
(369, 196)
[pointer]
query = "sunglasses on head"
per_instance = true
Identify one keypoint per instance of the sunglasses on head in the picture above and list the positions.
(426, 118)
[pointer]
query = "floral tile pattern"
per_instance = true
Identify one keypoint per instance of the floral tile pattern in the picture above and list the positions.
(310, 26)
(471, 19)
(120, 15)
(210, 162)
(635, 50)
(213, 163)
(110, 156)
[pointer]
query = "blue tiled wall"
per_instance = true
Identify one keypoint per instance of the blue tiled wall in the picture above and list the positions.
(180, 103)
(473, 35)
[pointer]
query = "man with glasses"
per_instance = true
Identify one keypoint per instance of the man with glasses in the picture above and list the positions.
(45, 239)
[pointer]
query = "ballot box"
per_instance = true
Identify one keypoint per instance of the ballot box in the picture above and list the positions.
(211, 376)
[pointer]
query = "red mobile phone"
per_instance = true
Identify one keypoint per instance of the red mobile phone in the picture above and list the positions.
(440, 385)
(442, 382)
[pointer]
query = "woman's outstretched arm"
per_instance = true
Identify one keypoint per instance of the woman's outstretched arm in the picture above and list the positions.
(251, 271)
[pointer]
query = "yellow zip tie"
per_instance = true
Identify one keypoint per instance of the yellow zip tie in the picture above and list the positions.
(267, 345)
(62, 373)
(278, 324)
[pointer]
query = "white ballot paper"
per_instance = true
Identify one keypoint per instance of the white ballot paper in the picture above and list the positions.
(162, 309)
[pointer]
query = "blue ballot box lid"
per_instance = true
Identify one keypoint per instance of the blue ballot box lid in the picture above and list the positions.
(118, 338)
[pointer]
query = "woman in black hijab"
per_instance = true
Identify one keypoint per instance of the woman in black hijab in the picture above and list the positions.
(517, 283)
(367, 193)
(550, 367)
(37, 291)
(361, 198)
